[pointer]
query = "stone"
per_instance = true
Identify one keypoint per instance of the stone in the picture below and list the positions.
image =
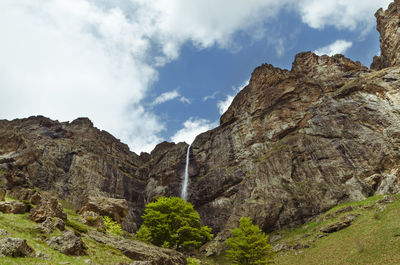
(26, 194)
(46, 227)
(15, 247)
(59, 223)
(42, 255)
(117, 209)
(139, 251)
(387, 200)
(48, 207)
(343, 223)
(93, 219)
(280, 247)
(15, 207)
(68, 243)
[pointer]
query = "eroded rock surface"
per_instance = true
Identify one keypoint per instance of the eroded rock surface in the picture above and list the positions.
(68, 244)
(388, 27)
(293, 144)
(15, 247)
(139, 251)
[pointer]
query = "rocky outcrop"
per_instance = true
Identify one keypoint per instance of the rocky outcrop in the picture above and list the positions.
(93, 219)
(344, 222)
(293, 144)
(139, 251)
(15, 207)
(117, 209)
(388, 27)
(15, 247)
(68, 244)
(48, 207)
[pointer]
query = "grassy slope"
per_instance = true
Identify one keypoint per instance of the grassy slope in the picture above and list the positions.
(373, 238)
(19, 226)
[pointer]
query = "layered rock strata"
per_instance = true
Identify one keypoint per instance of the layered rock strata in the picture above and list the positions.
(293, 144)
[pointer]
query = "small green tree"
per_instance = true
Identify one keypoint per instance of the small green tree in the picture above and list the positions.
(112, 226)
(248, 245)
(172, 222)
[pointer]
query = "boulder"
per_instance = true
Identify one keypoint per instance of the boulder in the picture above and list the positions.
(26, 194)
(15, 247)
(93, 219)
(13, 207)
(48, 207)
(117, 209)
(68, 244)
(139, 251)
(59, 223)
(343, 223)
(46, 227)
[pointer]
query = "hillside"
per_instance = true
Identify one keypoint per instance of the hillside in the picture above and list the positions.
(69, 241)
(368, 233)
(292, 145)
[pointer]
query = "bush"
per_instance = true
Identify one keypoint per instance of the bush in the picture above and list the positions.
(192, 261)
(248, 244)
(173, 223)
(112, 226)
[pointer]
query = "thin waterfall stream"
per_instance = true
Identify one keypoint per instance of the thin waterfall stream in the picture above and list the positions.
(186, 179)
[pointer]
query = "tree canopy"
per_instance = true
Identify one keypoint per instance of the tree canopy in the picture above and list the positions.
(248, 244)
(173, 223)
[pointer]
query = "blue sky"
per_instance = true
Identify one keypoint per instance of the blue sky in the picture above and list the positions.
(149, 71)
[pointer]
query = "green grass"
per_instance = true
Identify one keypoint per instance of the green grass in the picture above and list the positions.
(20, 226)
(371, 239)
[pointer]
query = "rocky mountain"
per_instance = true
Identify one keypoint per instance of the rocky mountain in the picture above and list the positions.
(292, 145)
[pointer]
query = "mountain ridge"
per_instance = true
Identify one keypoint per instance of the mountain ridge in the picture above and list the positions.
(293, 144)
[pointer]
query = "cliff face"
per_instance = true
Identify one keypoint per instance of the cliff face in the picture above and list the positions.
(292, 145)
(76, 160)
(389, 28)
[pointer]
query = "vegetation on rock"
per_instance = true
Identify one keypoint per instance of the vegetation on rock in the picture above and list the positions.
(248, 244)
(172, 222)
(112, 226)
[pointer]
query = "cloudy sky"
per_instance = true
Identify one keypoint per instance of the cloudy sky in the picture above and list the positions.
(149, 71)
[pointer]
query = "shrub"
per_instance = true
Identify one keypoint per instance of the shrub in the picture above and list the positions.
(173, 223)
(112, 226)
(192, 261)
(248, 244)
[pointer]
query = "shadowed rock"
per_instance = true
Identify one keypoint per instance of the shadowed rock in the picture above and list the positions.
(15, 247)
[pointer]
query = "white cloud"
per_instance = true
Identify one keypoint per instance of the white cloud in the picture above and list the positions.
(185, 100)
(167, 96)
(223, 105)
(338, 47)
(349, 14)
(98, 58)
(191, 128)
(164, 97)
(212, 96)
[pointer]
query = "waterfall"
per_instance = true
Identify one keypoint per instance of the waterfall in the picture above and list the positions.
(186, 179)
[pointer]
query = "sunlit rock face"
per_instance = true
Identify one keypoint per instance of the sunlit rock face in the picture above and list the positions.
(293, 144)
(388, 26)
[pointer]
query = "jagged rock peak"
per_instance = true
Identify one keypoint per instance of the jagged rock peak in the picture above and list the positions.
(388, 25)
(308, 64)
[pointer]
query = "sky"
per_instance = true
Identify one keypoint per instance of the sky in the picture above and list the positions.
(161, 70)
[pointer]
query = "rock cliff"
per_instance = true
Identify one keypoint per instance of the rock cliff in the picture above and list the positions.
(291, 145)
